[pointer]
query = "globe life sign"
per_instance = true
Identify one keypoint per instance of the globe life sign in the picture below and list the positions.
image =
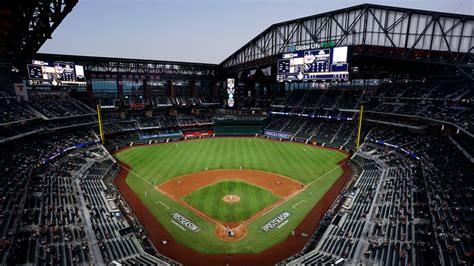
(303, 47)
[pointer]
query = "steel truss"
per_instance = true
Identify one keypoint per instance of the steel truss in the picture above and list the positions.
(433, 37)
(26, 25)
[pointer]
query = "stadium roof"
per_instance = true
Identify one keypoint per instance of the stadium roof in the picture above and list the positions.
(26, 25)
(367, 24)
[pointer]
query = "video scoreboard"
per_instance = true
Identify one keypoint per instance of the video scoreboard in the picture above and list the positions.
(43, 73)
(318, 64)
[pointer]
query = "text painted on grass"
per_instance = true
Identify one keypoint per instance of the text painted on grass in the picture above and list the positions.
(185, 222)
(280, 218)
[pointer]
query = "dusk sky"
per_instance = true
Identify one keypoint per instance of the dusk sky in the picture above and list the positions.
(205, 31)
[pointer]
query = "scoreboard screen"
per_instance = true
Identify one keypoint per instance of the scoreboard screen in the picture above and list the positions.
(319, 64)
(42, 73)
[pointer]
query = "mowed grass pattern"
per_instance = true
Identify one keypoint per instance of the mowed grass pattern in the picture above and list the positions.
(155, 164)
(209, 199)
(159, 163)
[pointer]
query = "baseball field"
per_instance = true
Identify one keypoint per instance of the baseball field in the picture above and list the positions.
(199, 190)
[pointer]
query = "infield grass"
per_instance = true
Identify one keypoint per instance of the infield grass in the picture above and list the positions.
(209, 199)
(152, 165)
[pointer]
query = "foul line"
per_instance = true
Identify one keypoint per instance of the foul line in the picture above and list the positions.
(282, 224)
(290, 197)
(142, 178)
(178, 225)
(173, 198)
(301, 201)
(185, 204)
(166, 206)
(325, 174)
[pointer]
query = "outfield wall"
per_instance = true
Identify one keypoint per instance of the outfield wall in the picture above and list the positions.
(231, 127)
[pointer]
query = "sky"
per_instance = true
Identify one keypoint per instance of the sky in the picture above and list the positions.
(205, 31)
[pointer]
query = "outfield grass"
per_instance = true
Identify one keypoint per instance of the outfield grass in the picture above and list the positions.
(155, 164)
(162, 162)
(209, 199)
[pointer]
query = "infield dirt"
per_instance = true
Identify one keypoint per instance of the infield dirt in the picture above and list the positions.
(279, 185)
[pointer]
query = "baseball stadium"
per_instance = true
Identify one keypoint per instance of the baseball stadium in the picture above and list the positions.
(340, 138)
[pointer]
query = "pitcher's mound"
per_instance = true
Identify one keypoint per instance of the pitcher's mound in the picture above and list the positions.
(231, 198)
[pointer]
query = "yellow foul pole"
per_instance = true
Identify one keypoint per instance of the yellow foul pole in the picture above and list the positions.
(361, 111)
(101, 126)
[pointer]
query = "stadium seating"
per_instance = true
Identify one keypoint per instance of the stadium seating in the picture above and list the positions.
(445, 101)
(106, 219)
(448, 101)
(51, 107)
(38, 201)
(406, 201)
(13, 111)
(340, 240)
(411, 199)
(278, 124)
(449, 186)
(308, 129)
(54, 211)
